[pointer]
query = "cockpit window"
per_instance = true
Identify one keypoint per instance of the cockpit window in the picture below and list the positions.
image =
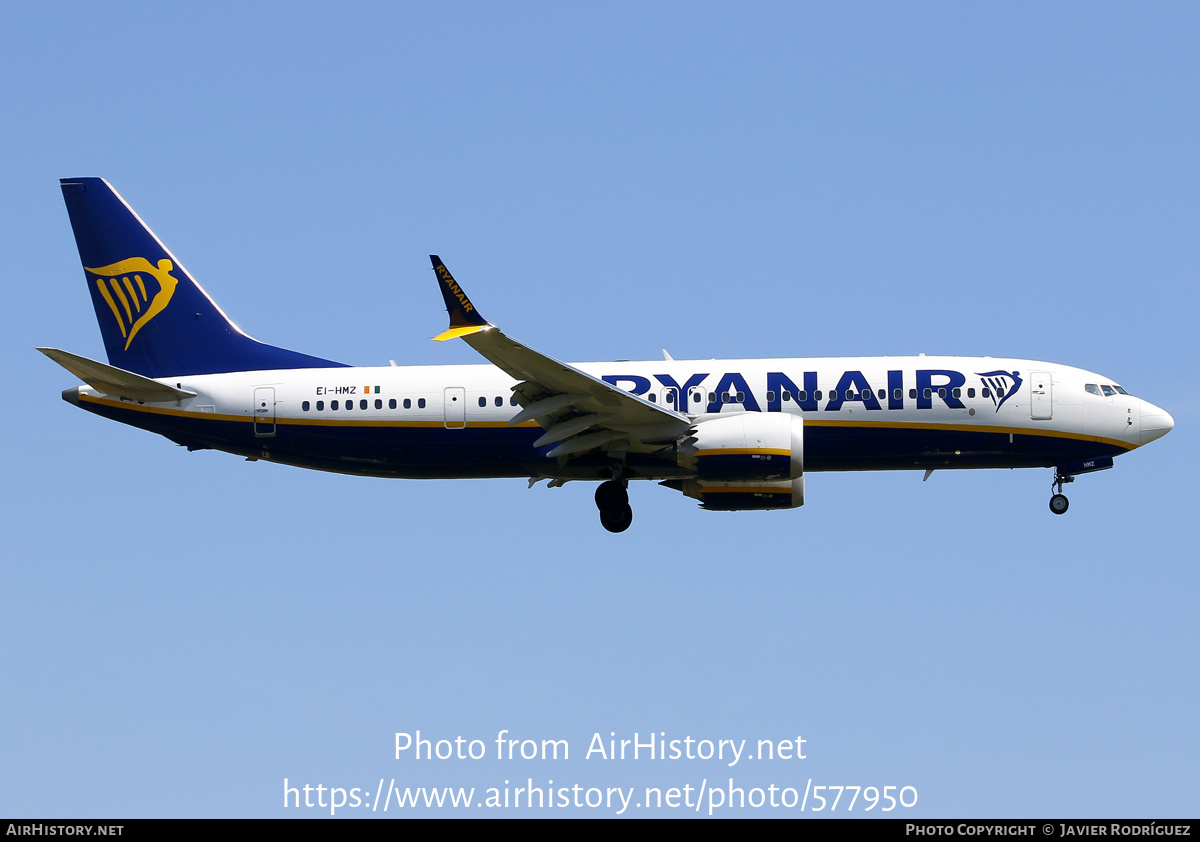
(1119, 389)
(1108, 390)
(1092, 389)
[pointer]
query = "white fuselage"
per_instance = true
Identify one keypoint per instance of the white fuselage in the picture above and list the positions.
(859, 412)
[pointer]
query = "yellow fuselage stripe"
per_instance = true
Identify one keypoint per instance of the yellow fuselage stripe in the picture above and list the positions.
(968, 428)
(744, 451)
(894, 425)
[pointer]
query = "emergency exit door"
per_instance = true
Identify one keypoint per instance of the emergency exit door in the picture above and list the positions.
(455, 407)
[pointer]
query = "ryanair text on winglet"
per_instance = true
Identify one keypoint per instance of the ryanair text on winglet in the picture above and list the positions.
(452, 285)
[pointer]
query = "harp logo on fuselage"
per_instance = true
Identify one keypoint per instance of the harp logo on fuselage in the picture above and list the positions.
(135, 290)
(1001, 385)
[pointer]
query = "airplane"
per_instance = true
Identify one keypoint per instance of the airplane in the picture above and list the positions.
(735, 435)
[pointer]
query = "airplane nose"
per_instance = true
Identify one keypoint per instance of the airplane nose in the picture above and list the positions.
(1156, 422)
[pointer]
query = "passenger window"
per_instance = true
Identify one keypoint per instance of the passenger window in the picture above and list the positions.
(957, 393)
(652, 398)
(987, 393)
(1092, 389)
(391, 403)
(712, 397)
(787, 396)
(912, 393)
(408, 403)
(349, 405)
(971, 392)
(803, 396)
(1109, 391)
(928, 394)
(420, 403)
(881, 394)
(320, 406)
(941, 393)
(898, 394)
(741, 397)
(304, 406)
(724, 397)
(817, 394)
(362, 404)
(770, 395)
(378, 403)
(482, 402)
(333, 404)
(832, 395)
(499, 401)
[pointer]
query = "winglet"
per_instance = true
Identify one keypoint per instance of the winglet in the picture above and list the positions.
(464, 318)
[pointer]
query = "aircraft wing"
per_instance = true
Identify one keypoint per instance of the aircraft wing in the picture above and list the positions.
(578, 411)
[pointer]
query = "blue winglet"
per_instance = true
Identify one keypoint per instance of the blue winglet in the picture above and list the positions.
(464, 318)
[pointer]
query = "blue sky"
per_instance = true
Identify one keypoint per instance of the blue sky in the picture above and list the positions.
(183, 631)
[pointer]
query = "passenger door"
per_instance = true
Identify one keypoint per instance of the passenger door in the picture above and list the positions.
(1041, 396)
(264, 411)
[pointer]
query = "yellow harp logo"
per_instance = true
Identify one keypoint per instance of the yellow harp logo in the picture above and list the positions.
(123, 288)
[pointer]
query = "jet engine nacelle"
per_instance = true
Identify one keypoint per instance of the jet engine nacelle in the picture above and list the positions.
(745, 496)
(748, 446)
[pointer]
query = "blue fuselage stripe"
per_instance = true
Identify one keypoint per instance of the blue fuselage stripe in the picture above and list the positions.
(410, 451)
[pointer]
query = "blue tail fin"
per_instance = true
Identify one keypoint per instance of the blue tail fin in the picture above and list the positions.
(156, 321)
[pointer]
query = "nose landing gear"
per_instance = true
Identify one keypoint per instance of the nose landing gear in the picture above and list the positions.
(1059, 502)
(612, 499)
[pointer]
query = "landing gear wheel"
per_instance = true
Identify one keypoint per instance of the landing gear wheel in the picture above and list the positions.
(612, 499)
(1059, 504)
(611, 495)
(617, 520)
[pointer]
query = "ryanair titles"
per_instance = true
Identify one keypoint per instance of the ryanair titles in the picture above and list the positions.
(455, 290)
(920, 389)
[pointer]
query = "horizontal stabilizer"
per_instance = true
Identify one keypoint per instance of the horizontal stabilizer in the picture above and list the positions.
(116, 381)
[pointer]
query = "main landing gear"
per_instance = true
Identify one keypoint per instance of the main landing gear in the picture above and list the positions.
(1059, 502)
(612, 499)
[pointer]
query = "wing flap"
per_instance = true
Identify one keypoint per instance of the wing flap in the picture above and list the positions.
(544, 406)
